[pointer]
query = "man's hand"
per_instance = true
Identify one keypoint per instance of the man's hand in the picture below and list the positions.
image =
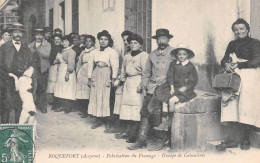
(117, 83)
(183, 89)
(67, 77)
(144, 92)
(113, 81)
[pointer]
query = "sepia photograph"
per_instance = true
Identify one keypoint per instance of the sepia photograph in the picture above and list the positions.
(129, 81)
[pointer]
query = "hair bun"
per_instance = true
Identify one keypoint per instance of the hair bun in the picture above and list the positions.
(105, 32)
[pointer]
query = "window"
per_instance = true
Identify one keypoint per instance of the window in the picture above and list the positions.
(75, 16)
(138, 19)
(108, 5)
(51, 18)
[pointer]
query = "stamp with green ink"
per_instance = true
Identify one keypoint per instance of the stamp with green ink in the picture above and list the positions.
(16, 143)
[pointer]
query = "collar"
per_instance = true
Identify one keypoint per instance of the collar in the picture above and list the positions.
(134, 53)
(67, 48)
(13, 41)
(103, 48)
(162, 52)
(89, 50)
(183, 63)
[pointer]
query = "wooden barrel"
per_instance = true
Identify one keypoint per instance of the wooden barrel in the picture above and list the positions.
(196, 122)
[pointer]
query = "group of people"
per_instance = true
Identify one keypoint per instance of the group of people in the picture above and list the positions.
(130, 93)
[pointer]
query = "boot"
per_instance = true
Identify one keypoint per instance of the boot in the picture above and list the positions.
(245, 142)
(143, 131)
(133, 134)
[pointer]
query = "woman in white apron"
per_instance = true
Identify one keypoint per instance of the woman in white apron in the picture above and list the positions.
(132, 99)
(242, 112)
(65, 87)
(83, 90)
(55, 49)
(102, 72)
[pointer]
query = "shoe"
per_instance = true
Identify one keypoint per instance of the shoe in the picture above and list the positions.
(96, 125)
(44, 110)
(245, 145)
(131, 140)
(80, 113)
(159, 145)
(84, 116)
(162, 127)
(60, 109)
(137, 145)
(110, 131)
(53, 107)
(121, 136)
(224, 145)
(66, 111)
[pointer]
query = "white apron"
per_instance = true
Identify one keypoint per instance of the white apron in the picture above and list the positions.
(245, 108)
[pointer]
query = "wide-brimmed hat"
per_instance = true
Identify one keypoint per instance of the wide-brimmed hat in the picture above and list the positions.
(182, 47)
(135, 37)
(17, 26)
(162, 32)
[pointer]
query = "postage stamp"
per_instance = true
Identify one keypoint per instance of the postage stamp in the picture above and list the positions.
(16, 143)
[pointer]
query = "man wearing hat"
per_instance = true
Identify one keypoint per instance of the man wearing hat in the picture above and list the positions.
(48, 34)
(41, 50)
(154, 75)
(15, 58)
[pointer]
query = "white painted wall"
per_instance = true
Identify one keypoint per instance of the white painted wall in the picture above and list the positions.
(93, 19)
(193, 21)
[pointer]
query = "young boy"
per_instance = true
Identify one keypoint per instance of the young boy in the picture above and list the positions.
(182, 78)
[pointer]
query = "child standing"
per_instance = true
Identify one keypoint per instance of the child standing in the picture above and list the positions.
(182, 78)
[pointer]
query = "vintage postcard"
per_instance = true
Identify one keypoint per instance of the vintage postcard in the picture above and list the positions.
(129, 81)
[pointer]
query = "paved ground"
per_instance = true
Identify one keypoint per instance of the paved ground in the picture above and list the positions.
(68, 133)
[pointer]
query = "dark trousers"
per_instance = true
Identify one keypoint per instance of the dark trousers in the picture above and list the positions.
(41, 96)
(144, 110)
(11, 100)
(152, 106)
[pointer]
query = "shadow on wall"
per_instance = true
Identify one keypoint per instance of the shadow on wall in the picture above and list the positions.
(210, 69)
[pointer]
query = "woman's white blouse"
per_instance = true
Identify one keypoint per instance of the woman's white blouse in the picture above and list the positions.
(108, 56)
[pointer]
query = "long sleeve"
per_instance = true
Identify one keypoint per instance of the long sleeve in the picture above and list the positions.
(79, 64)
(193, 78)
(123, 70)
(31, 59)
(71, 61)
(2, 70)
(170, 73)
(114, 61)
(147, 73)
(226, 56)
(91, 64)
(45, 51)
(254, 62)
(144, 59)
